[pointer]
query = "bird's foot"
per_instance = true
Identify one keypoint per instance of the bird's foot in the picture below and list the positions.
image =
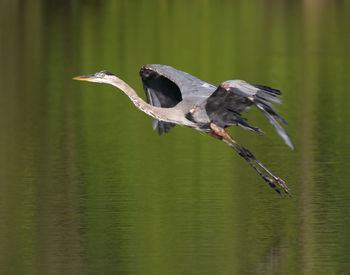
(276, 181)
(272, 179)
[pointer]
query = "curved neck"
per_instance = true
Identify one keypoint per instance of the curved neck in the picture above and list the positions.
(163, 114)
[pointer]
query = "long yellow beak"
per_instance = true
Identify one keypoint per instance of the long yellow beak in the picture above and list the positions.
(89, 77)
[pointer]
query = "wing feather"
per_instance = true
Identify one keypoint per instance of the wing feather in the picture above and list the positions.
(166, 87)
(236, 96)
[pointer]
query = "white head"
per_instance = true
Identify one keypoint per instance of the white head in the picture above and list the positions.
(100, 77)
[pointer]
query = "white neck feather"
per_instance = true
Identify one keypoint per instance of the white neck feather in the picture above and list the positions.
(164, 114)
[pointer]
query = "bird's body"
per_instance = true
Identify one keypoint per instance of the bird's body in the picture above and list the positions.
(167, 87)
(175, 97)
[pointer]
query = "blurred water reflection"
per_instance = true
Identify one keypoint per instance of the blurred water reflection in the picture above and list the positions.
(88, 187)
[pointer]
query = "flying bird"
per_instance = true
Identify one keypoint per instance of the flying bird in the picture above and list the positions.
(176, 97)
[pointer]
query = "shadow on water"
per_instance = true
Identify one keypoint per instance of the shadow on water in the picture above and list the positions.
(88, 187)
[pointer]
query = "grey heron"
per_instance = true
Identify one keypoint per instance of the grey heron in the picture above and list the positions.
(176, 97)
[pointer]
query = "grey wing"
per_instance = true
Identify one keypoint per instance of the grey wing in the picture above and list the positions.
(235, 96)
(166, 87)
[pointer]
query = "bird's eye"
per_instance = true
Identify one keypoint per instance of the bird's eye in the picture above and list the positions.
(102, 75)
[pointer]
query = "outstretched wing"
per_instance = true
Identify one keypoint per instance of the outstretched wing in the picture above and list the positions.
(234, 96)
(165, 87)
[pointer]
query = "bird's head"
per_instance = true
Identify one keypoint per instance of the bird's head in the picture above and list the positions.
(100, 77)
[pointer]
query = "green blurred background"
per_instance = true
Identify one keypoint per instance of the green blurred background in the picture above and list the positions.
(86, 186)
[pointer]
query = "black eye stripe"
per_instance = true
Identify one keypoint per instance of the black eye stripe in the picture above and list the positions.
(106, 73)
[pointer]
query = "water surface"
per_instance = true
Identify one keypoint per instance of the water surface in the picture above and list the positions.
(88, 188)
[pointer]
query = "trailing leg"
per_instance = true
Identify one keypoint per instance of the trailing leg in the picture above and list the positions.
(272, 180)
